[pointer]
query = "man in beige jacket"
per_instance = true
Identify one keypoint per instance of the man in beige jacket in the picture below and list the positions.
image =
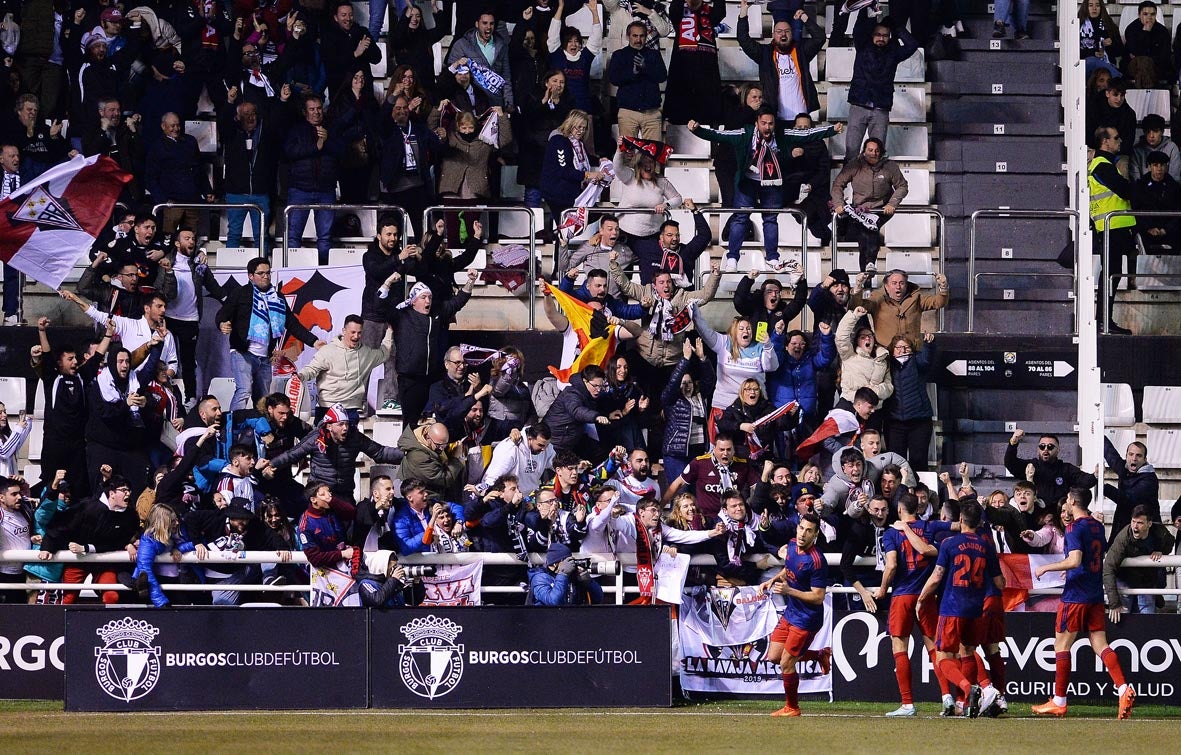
(341, 368)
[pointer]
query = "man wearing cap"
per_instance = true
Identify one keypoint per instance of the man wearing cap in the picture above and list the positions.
(333, 448)
(638, 70)
(560, 582)
(1154, 140)
(1157, 190)
(217, 536)
(421, 334)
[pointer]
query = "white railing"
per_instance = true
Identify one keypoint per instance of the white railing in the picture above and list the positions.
(615, 586)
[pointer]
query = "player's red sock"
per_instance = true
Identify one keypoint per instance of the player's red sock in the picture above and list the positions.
(968, 668)
(902, 672)
(981, 671)
(944, 689)
(1062, 672)
(810, 655)
(791, 688)
(1111, 661)
(996, 670)
(951, 671)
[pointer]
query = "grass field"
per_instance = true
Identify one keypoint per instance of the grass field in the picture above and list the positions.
(40, 727)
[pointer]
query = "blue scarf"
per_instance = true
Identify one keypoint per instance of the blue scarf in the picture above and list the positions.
(268, 316)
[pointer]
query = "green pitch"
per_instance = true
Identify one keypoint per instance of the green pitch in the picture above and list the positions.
(42, 727)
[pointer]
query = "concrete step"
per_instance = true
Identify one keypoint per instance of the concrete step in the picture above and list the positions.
(1044, 111)
(982, 154)
(991, 77)
(1002, 191)
(1033, 51)
(1041, 28)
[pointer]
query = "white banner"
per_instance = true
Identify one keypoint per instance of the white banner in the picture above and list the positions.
(457, 585)
(724, 635)
(670, 577)
(332, 587)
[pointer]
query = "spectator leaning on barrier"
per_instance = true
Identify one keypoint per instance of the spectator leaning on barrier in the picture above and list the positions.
(1142, 537)
(877, 185)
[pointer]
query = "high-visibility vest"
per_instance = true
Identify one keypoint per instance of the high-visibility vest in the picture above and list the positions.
(1104, 200)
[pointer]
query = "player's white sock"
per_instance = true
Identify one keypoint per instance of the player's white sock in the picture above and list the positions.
(1121, 689)
(1059, 700)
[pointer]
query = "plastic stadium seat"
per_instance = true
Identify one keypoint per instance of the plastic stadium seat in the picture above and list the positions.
(903, 142)
(918, 265)
(34, 444)
(691, 182)
(516, 224)
(1119, 408)
(909, 230)
(1146, 101)
(345, 256)
(1159, 271)
(509, 188)
(684, 143)
(1120, 437)
(222, 388)
(302, 257)
(735, 65)
(39, 403)
(1164, 447)
(205, 132)
(910, 104)
(12, 394)
(918, 181)
(838, 64)
(234, 257)
(754, 14)
(1161, 405)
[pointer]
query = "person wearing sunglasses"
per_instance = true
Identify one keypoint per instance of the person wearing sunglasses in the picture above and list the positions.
(1052, 477)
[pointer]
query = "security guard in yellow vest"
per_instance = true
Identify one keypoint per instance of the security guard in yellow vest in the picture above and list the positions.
(1109, 192)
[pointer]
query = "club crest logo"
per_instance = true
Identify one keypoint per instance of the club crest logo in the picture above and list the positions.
(721, 603)
(46, 212)
(431, 664)
(127, 666)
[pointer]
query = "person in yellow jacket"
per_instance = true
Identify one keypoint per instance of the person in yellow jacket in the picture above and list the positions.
(1110, 191)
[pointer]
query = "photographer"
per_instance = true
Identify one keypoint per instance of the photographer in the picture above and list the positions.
(387, 590)
(562, 582)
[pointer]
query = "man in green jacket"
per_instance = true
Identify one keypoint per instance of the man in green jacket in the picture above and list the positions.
(762, 152)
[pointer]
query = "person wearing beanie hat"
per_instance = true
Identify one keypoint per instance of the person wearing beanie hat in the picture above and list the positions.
(829, 301)
(561, 582)
(1154, 140)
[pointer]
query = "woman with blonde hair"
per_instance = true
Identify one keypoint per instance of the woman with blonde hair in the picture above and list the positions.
(740, 356)
(161, 535)
(567, 167)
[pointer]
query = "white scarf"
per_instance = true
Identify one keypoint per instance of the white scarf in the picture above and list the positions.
(739, 538)
(110, 392)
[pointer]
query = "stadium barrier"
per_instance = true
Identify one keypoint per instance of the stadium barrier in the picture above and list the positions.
(531, 271)
(1110, 275)
(974, 277)
(378, 209)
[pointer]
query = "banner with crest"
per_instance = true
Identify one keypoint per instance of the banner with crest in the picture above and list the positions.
(724, 633)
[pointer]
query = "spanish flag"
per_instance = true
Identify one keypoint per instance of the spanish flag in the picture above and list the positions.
(596, 339)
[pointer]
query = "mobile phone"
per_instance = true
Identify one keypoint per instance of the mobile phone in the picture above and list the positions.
(22, 416)
(761, 330)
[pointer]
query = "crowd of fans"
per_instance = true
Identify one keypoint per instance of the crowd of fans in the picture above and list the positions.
(683, 436)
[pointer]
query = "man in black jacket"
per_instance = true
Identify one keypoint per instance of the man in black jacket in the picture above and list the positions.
(225, 531)
(346, 47)
(313, 154)
(783, 64)
(638, 71)
(1157, 191)
(384, 263)
(871, 91)
(253, 338)
(250, 144)
(118, 138)
(175, 172)
(421, 331)
(768, 306)
(1052, 477)
(1138, 484)
(408, 150)
(806, 175)
(103, 524)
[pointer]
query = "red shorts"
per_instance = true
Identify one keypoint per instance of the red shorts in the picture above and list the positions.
(1081, 617)
(902, 616)
(954, 632)
(990, 627)
(795, 640)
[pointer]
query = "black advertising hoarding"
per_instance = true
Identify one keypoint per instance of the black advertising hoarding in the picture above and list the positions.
(493, 657)
(216, 659)
(32, 652)
(1148, 648)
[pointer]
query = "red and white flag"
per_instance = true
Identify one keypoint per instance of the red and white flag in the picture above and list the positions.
(49, 223)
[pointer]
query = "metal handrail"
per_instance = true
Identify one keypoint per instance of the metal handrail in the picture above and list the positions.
(531, 274)
(1004, 213)
(379, 209)
(910, 210)
(1108, 275)
(248, 206)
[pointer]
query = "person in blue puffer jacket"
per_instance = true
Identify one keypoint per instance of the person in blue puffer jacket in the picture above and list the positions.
(799, 361)
(161, 535)
(908, 410)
